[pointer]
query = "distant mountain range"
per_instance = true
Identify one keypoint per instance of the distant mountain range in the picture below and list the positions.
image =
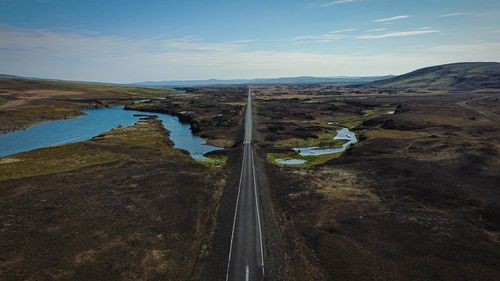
(456, 76)
(8, 76)
(261, 81)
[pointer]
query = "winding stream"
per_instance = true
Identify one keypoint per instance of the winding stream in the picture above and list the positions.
(93, 123)
(342, 134)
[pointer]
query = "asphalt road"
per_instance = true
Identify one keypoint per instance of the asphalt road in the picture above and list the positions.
(246, 257)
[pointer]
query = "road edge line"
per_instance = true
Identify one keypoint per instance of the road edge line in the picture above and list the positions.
(235, 213)
(258, 212)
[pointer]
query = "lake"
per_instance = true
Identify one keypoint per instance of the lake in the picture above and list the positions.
(93, 123)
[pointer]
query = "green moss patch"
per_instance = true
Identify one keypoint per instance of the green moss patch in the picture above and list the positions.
(144, 105)
(242, 103)
(311, 160)
(352, 121)
(218, 161)
(50, 112)
(221, 142)
(52, 160)
(144, 135)
(326, 139)
(394, 134)
(82, 88)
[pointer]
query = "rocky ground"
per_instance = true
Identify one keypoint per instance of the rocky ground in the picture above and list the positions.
(415, 199)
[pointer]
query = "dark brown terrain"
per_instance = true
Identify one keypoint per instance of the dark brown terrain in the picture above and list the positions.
(415, 199)
(214, 113)
(125, 205)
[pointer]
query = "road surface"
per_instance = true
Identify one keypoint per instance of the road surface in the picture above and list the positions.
(246, 257)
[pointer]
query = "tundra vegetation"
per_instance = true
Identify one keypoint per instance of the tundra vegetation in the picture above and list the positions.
(124, 205)
(415, 199)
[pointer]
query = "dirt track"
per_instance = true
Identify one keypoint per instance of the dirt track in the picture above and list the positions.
(491, 115)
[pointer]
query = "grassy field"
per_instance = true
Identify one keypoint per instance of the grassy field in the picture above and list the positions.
(53, 160)
(458, 76)
(311, 160)
(80, 88)
(324, 139)
(217, 161)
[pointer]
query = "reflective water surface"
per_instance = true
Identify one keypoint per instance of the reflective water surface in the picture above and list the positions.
(95, 122)
(342, 134)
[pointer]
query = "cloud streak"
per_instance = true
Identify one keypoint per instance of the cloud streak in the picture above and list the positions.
(391, 19)
(344, 30)
(334, 3)
(322, 38)
(399, 34)
(452, 15)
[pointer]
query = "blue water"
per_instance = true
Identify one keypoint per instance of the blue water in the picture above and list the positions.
(316, 151)
(93, 123)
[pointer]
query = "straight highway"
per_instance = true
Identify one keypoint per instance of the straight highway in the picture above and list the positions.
(246, 255)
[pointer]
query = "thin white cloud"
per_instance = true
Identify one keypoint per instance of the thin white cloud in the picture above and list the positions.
(344, 30)
(322, 38)
(333, 3)
(390, 19)
(398, 34)
(452, 15)
(191, 43)
(92, 57)
(377, 30)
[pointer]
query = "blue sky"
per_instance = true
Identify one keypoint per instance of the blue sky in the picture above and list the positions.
(126, 41)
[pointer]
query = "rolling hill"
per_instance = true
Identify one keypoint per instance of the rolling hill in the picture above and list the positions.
(456, 76)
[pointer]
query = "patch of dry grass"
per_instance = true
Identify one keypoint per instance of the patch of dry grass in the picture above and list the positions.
(52, 160)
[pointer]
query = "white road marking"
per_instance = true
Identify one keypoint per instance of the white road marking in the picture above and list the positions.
(258, 214)
(235, 214)
(248, 140)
